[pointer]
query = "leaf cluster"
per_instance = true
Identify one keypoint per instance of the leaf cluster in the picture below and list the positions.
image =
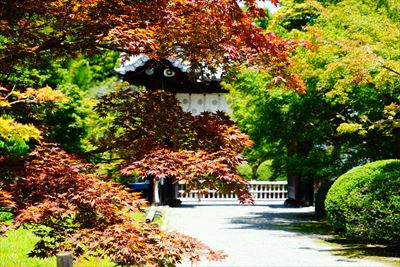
(214, 33)
(156, 138)
(72, 209)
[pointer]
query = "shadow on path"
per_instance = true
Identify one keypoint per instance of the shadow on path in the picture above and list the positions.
(228, 204)
(304, 223)
(301, 222)
(358, 249)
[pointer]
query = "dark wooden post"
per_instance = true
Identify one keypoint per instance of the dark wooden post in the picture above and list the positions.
(64, 259)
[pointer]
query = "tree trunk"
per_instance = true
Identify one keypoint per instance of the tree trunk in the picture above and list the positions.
(254, 168)
(293, 185)
(300, 191)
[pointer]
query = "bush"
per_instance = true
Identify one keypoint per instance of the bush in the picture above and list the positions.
(245, 171)
(364, 203)
(5, 216)
(264, 171)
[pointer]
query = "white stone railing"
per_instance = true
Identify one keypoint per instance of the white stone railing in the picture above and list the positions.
(259, 190)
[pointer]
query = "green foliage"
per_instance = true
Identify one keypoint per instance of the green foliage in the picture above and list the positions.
(365, 202)
(350, 112)
(64, 122)
(245, 171)
(80, 80)
(5, 216)
(15, 137)
(264, 21)
(348, 68)
(295, 15)
(85, 71)
(12, 146)
(265, 172)
(390, 7)
(286, 127)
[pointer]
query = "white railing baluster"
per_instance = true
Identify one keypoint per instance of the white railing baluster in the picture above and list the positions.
(260, 190)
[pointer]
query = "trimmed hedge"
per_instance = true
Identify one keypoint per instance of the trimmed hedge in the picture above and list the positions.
(245, 171)
(264, 172)
(364, 203)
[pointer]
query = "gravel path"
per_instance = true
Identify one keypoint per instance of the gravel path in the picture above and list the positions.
(256, 235)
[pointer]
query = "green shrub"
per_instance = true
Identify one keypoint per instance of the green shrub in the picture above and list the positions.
(5, 216)
(264, 171)
(364, 203)
(245, 171)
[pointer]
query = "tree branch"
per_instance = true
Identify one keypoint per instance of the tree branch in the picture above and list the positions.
(10, 93)
(26, 100)
(390, 69)
(123, 50)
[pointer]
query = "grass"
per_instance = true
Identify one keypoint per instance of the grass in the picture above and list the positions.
(14, 248)
(317, 227)
(16, 244)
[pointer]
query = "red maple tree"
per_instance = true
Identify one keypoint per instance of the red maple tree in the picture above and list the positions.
(83, 213)
(211, 32)
(73, 209)
(156, 138)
